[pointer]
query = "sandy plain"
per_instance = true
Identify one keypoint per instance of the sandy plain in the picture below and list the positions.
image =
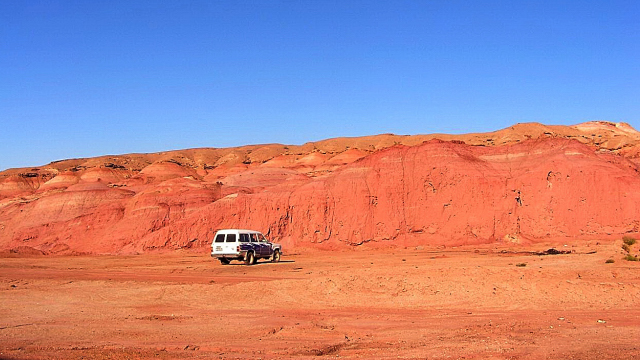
(482, 302)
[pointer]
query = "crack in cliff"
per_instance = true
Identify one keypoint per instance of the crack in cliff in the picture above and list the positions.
(333, 212)
(493, 235)
(403, 225)
(370, 219)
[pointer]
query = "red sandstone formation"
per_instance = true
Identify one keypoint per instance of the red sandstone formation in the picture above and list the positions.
(523, 184)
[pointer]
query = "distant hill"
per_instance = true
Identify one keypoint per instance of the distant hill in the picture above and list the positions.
(523, 184)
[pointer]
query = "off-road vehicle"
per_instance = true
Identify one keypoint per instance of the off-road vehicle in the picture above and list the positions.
(244, 245)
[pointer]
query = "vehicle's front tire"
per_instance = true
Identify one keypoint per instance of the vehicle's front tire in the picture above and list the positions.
(224, 261)
(250, 259)
(276, 256)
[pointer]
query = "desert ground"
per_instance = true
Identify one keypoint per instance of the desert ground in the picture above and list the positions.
(472, 302)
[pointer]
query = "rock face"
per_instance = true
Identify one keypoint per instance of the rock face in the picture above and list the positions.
(520, 185)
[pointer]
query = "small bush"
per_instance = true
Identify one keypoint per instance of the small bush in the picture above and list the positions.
(626, 248)
(521, 264)
(609, 261)
(628, 240)
(630, 257)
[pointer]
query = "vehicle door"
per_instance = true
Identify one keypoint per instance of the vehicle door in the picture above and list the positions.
(255, 242)
(264, 244)
(244, 241)
(218, 244)
(230, 244)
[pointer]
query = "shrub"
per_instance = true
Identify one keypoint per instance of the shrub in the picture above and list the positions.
(609, 261)
(630, 257)
(626, 248)
(628, 240)
(521, 264)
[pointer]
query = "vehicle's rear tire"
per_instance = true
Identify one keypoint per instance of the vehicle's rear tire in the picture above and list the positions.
(276, 256)
(224, 261)
(250, 259)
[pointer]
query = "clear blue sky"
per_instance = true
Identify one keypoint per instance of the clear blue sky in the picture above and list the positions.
(88, 78)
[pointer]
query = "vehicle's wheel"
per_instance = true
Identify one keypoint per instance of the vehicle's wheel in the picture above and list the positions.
(250, 259)
(224, 261)
(276, 256)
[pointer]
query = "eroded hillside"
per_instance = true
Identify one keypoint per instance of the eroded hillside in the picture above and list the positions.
(529, 182)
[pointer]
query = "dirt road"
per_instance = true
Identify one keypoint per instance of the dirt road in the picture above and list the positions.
(461, 303)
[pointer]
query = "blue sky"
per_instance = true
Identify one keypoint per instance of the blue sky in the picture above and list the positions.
(90, 78)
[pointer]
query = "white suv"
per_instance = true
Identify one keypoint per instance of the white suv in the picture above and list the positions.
(245, 245)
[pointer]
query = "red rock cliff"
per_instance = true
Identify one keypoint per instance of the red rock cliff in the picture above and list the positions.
(527, 183)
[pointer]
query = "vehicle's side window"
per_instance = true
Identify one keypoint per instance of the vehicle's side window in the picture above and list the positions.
(244, 237)
(220, 238)
(262, 238)
(253, 238)
(231, 237)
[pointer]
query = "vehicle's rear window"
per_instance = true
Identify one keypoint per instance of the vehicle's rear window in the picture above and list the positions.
(220, 238)
(231, 237)
(244, 237)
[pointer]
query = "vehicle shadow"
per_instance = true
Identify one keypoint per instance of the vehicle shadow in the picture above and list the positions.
(240, 263)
